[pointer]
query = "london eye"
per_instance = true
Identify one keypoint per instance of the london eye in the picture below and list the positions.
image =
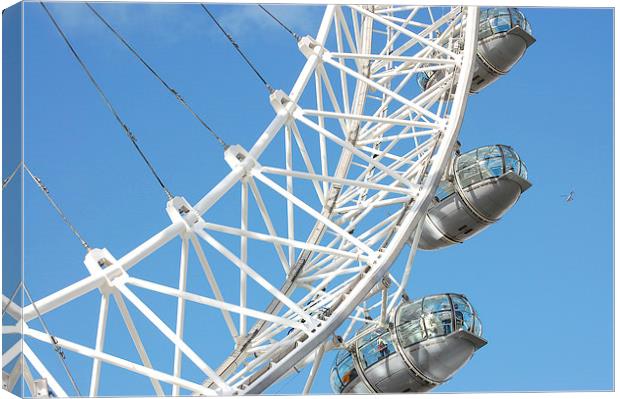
(300, 243)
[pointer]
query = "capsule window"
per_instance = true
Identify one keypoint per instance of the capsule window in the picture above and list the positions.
(516, 17)
(375, 346)
(466, 160)
(512, 164)
(500, 23)
(510, 151)
(334, 381)
(435, 303)
(523, 171)
(484, 30)
(408, 312)
(470, 175)
(343, 372)
(488, 162)
(488, 152)
(461, 302)
(494, 12)
(477, 326)
(409, 324)
(444, 190)
(491, 167)
(463, 314)
(437, 317)
(411, 332)
(485, 172)
(422, 79)
(438, 324)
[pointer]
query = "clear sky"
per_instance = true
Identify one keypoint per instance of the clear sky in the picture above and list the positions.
(541, 279)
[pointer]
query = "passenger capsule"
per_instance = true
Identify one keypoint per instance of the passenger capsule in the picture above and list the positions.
(503, 37)
(426, 342)
(483, 184)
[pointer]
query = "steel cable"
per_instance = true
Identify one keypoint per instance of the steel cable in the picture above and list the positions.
(108, 103)
(62, 215)
(11, 299)
(174, 92)
(238, 48)
(54, 341)
(289, 30)
(6, 181)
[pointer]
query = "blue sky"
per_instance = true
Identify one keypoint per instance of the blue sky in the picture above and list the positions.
(541, 279)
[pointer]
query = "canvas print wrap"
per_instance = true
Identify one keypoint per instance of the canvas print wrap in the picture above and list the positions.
(215, 199)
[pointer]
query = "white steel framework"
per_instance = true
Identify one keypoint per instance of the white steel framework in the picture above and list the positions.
(353, 141)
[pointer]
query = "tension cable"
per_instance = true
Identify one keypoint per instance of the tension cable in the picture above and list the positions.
(6, 181)
(236, 46)
(289, 30)
(128, 132)
(62, 215)
(174, 92)
(54, 341)
(12, 298)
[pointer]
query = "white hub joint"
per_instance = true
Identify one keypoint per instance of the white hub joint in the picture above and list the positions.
(237, 156)
(281, 102)
(179, 210)
(100, 261)
(309, 47)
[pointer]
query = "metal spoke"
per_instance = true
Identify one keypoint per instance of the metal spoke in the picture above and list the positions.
(314, 214)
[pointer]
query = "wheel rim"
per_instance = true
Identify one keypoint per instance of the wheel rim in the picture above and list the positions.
(392, 176)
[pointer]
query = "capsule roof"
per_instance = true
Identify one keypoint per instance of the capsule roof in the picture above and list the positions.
(435, 316)
(483, 163)
(501, 19)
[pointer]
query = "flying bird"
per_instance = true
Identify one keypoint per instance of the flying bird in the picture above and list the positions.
(570, 196)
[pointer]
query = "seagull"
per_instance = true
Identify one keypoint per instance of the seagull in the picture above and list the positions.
(570, 196)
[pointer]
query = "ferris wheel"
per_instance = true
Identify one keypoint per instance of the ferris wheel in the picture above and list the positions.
(298, 241)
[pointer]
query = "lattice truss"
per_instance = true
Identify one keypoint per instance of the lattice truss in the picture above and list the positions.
(297, 239)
